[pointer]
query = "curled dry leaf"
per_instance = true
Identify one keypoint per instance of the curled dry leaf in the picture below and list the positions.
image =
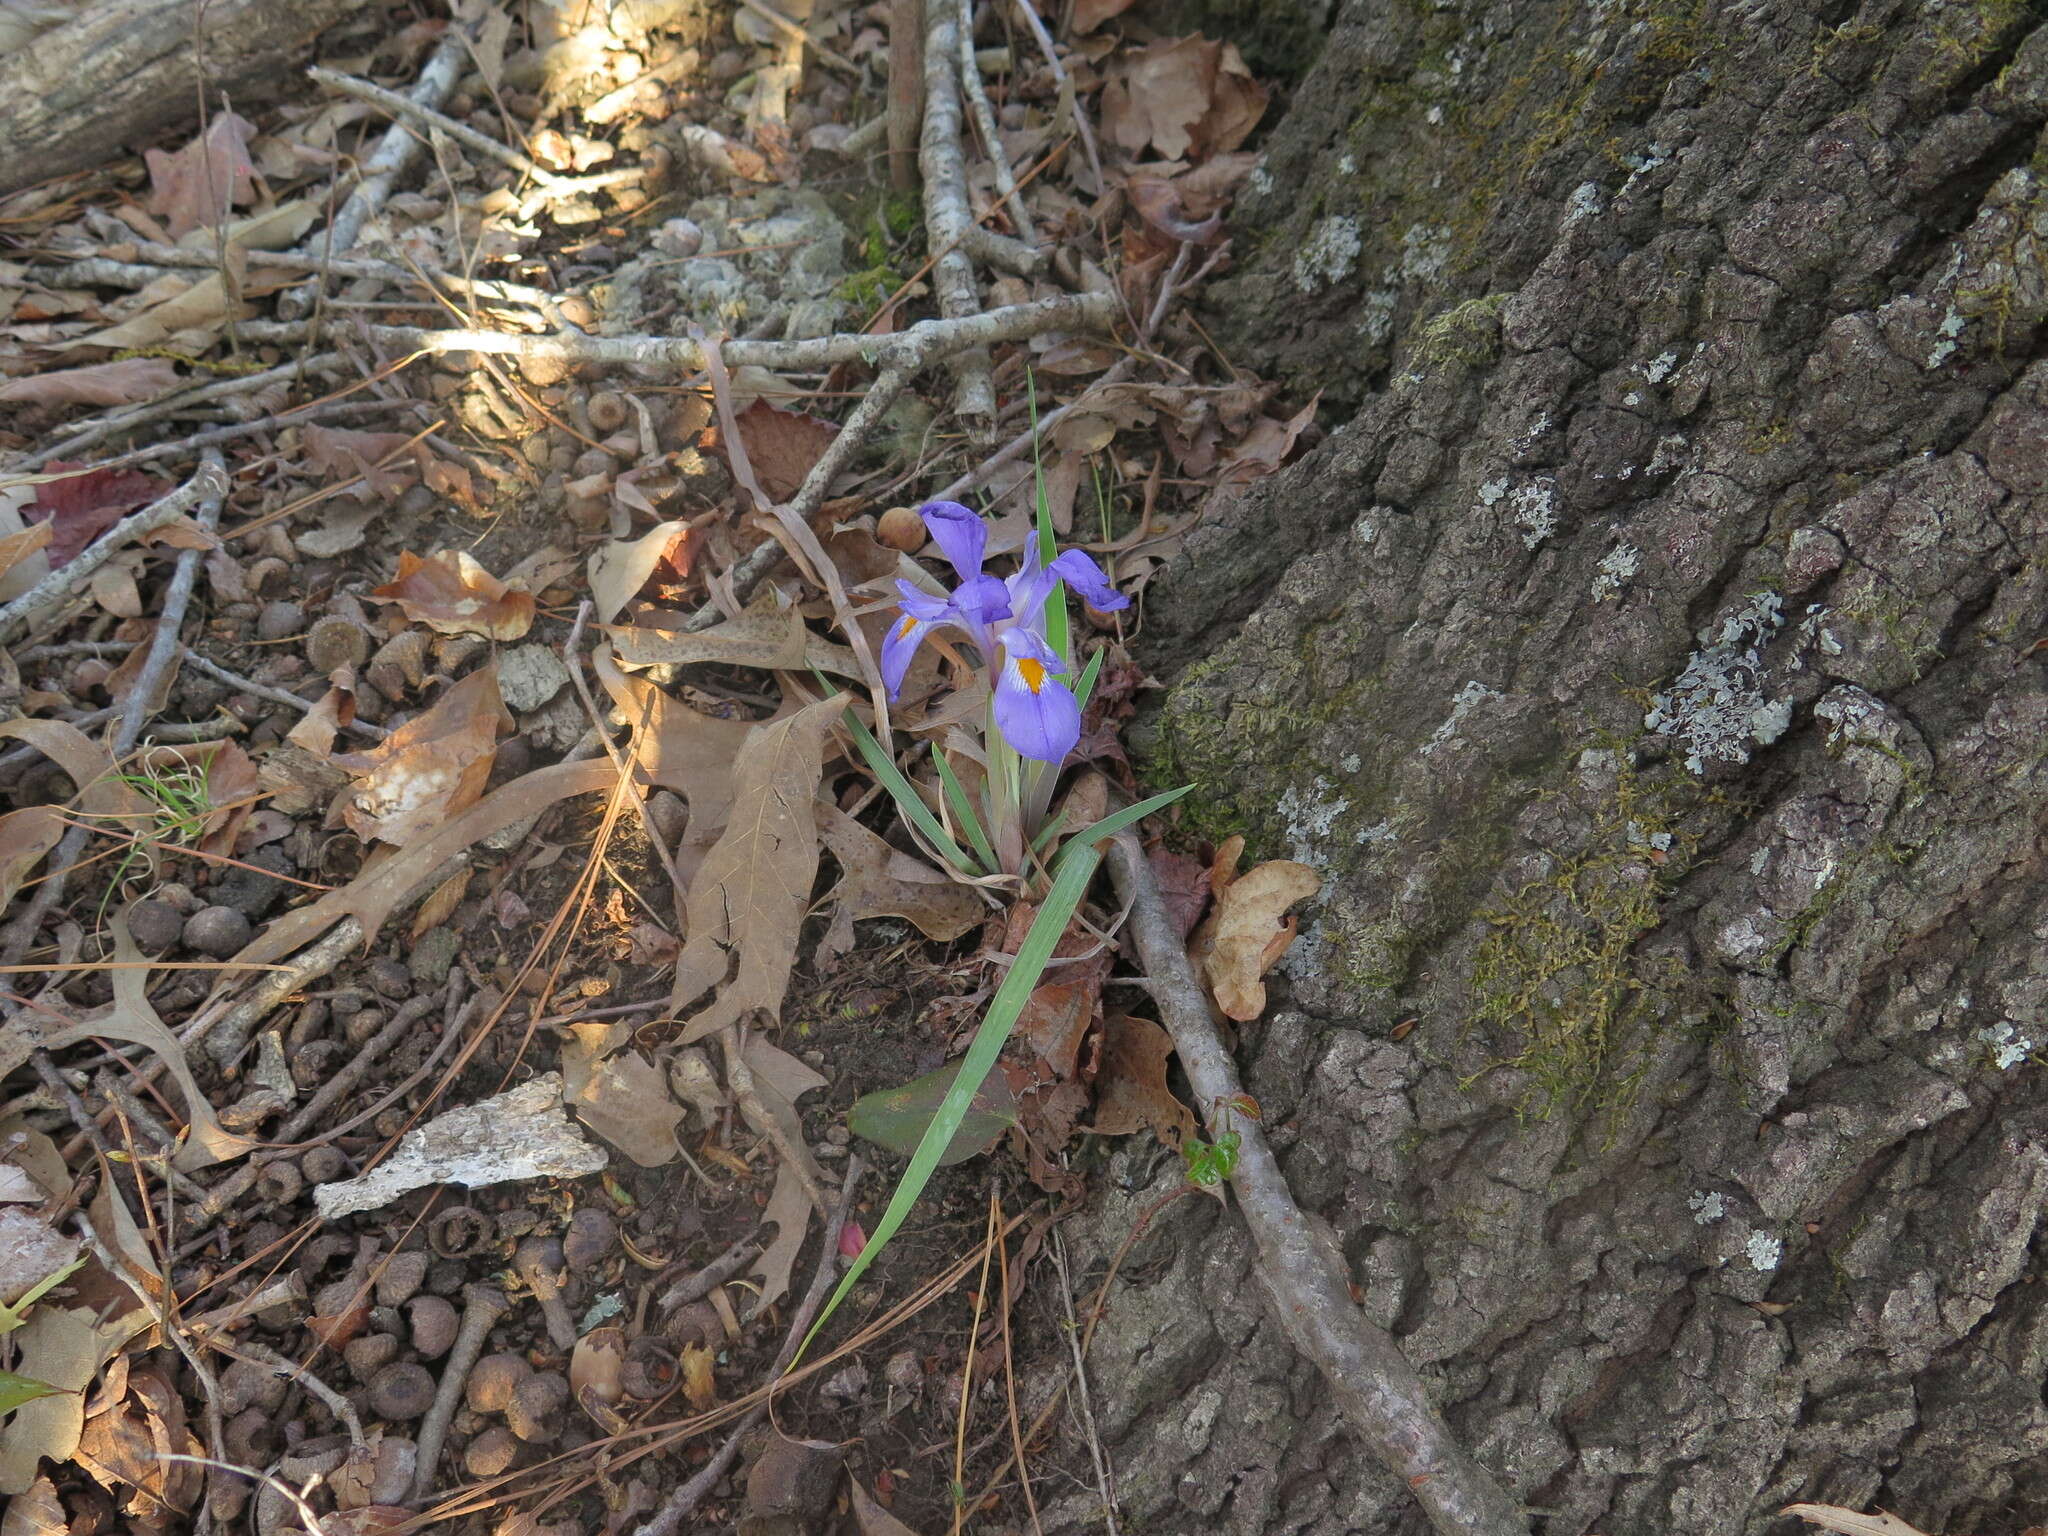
(449, 592)
(699, 1378)
(878, 881)
(1249, 932)
(432, 767)
(1850, 1522)
(318, 727)
(117, 383)
(620, 569)
(1265, 447)
(20, 565)
(1130, 1089)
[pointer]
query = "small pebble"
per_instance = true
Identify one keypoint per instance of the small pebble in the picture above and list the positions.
(156, 926)
(218, 931)
(433, 957)
(280, 620)
(390, 977)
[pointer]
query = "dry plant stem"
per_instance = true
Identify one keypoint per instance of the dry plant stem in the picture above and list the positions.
(985, 122)
(237, 1022)
(928, 340)
(84, 434)
(1105, 1478)
(1020, 445)
(572, 658)
(390, 160)
(683, 1502)
(1374, 1386)
(331, 1092)
(906, 91)
(69, 578)
(994, 250)
(1066, 84)
(254, 689)
(740, 1078)
(491, 290)
(482, 1307)
(695, 1287)
(942, 161)
(399, 105)
(302, 415)
(788, 28)
(343, 1410)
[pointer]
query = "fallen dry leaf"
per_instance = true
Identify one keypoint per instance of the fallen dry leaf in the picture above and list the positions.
(748, 899)
(432, 767)
(1090, 14)
(1187, 97)
(382, 459)
(1265, 448)
(1130, 1089)
(779, 642)
(879, 881)
(782, 446)
(620, 569)
(619, 1093)
(449, 592)
(195, 187)
(441, 905)
(870, 1517)
(26, 837)
(1249, 932)
(18, 552)
(64, 1347)
(695, 1363)
(80, 507)
(318, 727)
(789, 1207)
(117, 383)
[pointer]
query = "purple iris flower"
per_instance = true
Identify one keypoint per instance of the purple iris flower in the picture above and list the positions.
(1036, 712)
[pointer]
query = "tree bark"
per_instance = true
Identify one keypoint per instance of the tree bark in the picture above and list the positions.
(124, 70)
(1653, 666)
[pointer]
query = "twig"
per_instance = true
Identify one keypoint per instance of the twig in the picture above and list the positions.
(1067, 91)
(482, 1306)
(985, 120)
(930, 340)
(237, 1021)
(941, 158)
(1010, 1389)
(1373, 1384)
(783, 24)
(389, 161)
(701, 1283)
(684, 1501)
(400, 105)
(343, 1410)
(906, 93)
(490, 290)
(1105, 1478)
(164, 645)
(1020, 445)
(66, 579)
(264, 691)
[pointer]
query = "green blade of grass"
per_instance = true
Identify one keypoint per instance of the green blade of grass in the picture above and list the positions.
(1074, 871)
(1056, 630)
(907, 799)
(1085, 688)
(963, 811)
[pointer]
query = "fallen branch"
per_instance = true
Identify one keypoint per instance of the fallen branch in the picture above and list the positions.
(264, 691)
(1065, 82)
(941, 158)
(1374, 1386)
(985, 121)
(210, 480)
(674, 355)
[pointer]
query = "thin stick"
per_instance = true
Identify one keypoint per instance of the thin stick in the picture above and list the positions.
(1371, 1381)
(68, 578)
(264, 691)
(988, 1253)
(683, 1502)
(1010, 1387)
(399, 105)
(783, 24)
(985, 121)
(1105, 1477)
(164, 645)
(941, 159)
(86, 433)
(1066, 85)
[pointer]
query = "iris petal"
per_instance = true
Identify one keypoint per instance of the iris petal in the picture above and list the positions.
(960, 534)
(1036, 712)
(984, 600)
(898, 647)
(1081, 573)
(920, 604)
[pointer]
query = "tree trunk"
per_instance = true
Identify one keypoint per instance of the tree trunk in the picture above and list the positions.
(124, 70)
(1654, 666)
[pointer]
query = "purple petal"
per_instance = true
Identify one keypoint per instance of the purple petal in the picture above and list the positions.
(984, 600)
(898, 647)
(920, 604)
(960, 534)
(1081, 573)
(1036, 712)
(1029, 589)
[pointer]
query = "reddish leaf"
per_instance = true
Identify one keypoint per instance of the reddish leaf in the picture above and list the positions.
(79, 508)
(1131, 1093)
(450, 592)
(195, 187)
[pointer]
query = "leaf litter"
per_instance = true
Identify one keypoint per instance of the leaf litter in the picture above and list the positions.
(364, 762)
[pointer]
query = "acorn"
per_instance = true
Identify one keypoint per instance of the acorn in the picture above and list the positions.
(901, 528)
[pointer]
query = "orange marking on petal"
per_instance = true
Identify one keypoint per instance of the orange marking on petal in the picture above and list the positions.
(1033, 672)
(906, 626)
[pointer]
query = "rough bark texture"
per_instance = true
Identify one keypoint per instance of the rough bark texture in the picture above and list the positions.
(127, 69)
(1653, 666)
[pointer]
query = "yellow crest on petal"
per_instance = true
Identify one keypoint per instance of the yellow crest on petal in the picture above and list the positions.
(1032, 671)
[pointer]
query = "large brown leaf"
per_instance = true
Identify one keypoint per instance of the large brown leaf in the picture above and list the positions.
(431, 767)
(448, 591)
(748, 900)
